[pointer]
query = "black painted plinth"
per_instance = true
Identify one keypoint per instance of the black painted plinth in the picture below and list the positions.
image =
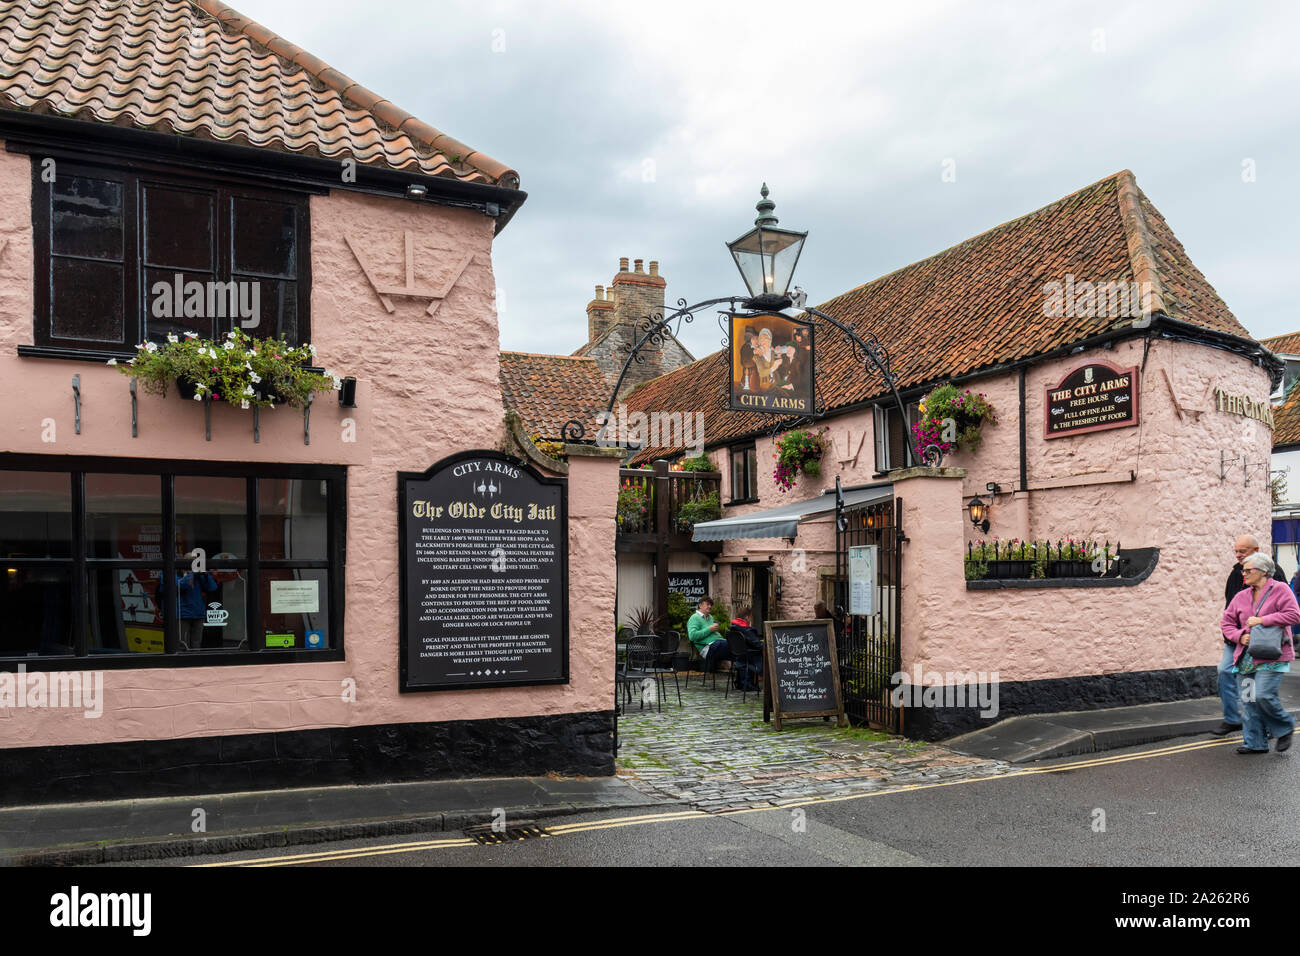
(1089, 692)
(385, 753)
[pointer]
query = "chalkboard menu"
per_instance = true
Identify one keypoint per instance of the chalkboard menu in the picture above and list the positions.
(691, 585)
(1089, 399)
(483, 547)
(803, 670)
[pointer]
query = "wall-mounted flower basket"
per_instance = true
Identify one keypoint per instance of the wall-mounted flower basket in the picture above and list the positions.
(798, 450)
(951, 420)
(240, 370)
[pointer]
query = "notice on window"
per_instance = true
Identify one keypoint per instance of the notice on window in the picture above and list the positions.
(484, 568)
(862, 579)
(295, 597)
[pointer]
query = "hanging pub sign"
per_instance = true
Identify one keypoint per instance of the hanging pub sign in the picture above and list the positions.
(483, 552)
(1091, 398)
(771, 364)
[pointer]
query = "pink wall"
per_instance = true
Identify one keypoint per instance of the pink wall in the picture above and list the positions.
(427, 388)
(1176, 503)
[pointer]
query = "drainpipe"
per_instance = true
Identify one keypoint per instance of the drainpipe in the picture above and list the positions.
(661, 539)
(1024, 459)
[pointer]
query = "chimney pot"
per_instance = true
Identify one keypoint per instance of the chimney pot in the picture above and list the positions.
(600, 292)
(622, 264)
(654, 267)
(637, 265)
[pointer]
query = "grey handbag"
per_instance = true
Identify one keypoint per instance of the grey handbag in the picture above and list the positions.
(1266, 640)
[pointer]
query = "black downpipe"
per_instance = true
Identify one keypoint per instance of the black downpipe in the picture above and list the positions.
(1024, 453)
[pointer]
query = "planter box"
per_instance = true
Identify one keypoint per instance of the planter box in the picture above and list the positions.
(1010, 569)
(185, 388)
(1070, 569)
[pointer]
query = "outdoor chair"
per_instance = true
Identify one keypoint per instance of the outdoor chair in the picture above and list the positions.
(641, 653)
(665, 651)
(743, 659)
(704, 669)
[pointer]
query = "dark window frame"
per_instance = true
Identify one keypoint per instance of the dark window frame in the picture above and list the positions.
(80, 565)
(751, 492)
(882, 418)
(135, 177)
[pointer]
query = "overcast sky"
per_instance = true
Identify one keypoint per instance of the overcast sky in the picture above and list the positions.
(645, 129)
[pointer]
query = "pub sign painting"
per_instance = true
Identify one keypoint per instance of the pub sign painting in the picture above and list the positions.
(771, 364)
(1091, 398)
(483, 556)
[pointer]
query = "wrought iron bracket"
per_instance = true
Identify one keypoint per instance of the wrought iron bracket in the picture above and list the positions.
(207, 416)
(306, 422)
(257, 424)
(135, 425)
(76, 400)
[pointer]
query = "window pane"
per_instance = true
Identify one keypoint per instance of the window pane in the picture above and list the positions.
(126, 611)
(738, 476)
(213, 610)
(178, 228)
(294, 608)
(86, 300)
(269, 308)
(86, 217)
(264, 238)
(751, 473)
(191, 308)
(211, 514)
(124, 516)
(35, 514)
(36, 610)
(293, 514)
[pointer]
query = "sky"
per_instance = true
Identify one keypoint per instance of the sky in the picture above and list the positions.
(889, 131)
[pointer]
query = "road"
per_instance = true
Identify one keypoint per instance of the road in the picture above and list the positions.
(1181, 803)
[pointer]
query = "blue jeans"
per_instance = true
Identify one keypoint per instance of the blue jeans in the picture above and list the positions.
(1264, 716)
(1228, 686)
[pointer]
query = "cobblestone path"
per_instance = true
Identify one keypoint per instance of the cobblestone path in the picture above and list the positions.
(717, 754)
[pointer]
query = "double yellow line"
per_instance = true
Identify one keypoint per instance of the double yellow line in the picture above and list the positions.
(566, 829)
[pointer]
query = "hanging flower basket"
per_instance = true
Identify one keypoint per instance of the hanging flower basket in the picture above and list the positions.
(951, 420)
(798, 450)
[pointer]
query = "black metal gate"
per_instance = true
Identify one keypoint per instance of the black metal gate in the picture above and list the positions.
(869, 649)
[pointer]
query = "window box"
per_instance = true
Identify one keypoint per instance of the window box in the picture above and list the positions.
(1010, 569)
(1070, 569)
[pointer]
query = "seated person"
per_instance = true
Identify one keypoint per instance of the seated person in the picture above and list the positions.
(751, 668)
(703, 633)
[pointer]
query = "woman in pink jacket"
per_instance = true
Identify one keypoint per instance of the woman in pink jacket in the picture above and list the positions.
(1267, 602)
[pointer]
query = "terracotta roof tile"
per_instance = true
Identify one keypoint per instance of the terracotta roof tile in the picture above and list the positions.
(1288, 344)
(976, 305)
(548, 390)
(200, 68)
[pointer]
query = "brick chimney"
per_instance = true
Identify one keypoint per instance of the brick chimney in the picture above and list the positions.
(637, 293)
(600, 314)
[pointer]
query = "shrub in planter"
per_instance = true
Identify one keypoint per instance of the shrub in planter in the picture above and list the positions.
(705, 508)
(798, 450)
(633, 505)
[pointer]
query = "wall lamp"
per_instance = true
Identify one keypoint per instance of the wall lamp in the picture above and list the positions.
(979, 511)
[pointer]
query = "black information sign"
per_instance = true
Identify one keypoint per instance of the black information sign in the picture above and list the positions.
(1091, 398)
(691, 585)
(484, 544)
(803, 670)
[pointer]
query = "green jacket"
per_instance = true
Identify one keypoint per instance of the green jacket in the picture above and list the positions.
(697, 629)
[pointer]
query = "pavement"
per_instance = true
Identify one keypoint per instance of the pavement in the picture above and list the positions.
(713, 753)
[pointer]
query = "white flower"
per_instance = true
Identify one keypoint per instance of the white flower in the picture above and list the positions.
(228, 345)
(312, 349)
(255, 377)
(197, 396)
(152, 347)
(338, 382)
(112, 361)
(171, 337)
(191, 335)
(248, 390)
(230, 334)
(244, 403)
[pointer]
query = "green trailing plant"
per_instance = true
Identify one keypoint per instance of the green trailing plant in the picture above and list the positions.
(704, 508)
(238, 369)
(977, 565)
(798, 450)
(952, 420)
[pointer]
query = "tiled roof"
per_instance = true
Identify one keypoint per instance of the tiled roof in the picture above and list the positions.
(1288, 344)
(1286, 419)
(976, 305)
(199, 68)
(548, 390)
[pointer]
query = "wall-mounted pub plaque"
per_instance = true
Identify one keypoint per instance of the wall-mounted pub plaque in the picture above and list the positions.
(1091, 398)
(484, 545)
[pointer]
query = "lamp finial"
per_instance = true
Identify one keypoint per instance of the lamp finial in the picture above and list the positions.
(765, 207)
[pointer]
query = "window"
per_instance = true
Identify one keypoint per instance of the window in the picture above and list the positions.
(744, 474)
(894, 438)
(124, 256)
(255, 572)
